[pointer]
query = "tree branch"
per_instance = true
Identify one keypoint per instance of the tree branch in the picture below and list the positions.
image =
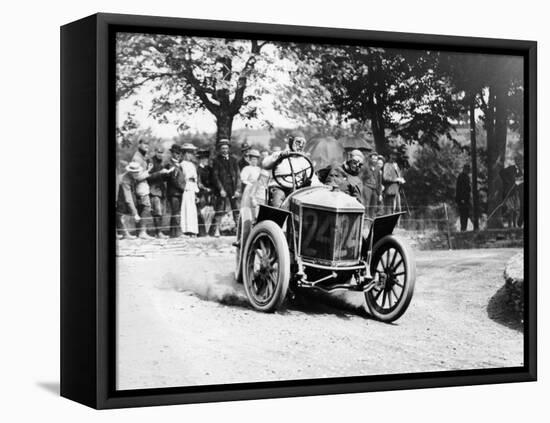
(243, 76)
(127, 89)
(200, 90)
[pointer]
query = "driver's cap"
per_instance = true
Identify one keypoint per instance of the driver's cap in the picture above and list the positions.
(358, 155)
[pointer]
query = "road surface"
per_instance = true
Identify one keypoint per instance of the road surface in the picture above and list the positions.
(181, 320)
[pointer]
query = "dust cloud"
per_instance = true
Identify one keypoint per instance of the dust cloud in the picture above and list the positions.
(212, 287)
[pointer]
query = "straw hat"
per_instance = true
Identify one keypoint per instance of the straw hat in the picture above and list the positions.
(253, 153)
(188, 147)
(134, 167)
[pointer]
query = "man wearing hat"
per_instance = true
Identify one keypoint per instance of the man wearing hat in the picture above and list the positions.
(142, 187)
(244, 161)
(125, 201)
(206, 178)
(175, 185)
(392, 180)
(134, 196)
(372, 185)
(227, 183)
(346, 177)
(157, 186)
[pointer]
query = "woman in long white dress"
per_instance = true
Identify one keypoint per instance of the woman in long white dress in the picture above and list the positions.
(189, 218)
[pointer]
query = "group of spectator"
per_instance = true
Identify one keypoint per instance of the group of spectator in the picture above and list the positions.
(151, 187)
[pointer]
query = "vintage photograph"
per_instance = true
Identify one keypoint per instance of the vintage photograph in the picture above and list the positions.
(291, 210)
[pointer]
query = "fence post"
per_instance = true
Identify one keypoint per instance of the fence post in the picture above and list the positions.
(448, 226)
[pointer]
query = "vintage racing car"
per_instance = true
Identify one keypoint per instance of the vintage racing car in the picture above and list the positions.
(320, 239)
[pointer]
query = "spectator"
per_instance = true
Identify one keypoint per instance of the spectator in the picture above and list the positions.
(140, 156)
(512, 209)
(142, 188)
(253, 194)
(205, 181)
(132, 201)
(372, 185)
(125, 200)
(157, 186)
(346, 176)
(463, 194)
(244, 161)
(392, 180)
(227, 184)
(251, 172)
(381, 161)
(174, 191)
(263, 155)
(189, 219)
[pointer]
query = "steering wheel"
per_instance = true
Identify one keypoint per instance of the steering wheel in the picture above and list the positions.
(291, 177)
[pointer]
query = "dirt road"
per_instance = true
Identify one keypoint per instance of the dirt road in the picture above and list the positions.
(182, 321)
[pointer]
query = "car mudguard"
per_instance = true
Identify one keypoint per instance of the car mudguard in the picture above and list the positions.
(279, 216)
(382, 226)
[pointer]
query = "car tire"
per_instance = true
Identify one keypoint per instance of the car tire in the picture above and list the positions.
(266, 266)
(392, 259)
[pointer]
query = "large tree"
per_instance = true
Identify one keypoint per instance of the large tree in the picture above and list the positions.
(395, 91)
(467, 73)
(492, 84)
(188, 74)
(505, 80)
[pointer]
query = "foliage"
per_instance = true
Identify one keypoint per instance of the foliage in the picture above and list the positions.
(394, 90)
(431, 179)
(187, 74)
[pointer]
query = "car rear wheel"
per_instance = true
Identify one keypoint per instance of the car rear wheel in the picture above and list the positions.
(266, 269)
(394, 268)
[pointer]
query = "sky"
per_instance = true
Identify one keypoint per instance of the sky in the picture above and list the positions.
(202, 121)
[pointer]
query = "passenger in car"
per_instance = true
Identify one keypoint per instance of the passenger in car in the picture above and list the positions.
(345, 177)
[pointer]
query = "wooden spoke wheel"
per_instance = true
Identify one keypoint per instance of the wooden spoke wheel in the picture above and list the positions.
(266, 270)
(394, 268)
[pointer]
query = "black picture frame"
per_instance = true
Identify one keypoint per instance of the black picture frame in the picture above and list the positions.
(87, 221)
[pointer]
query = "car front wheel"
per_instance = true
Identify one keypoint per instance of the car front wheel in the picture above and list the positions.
(266, 270)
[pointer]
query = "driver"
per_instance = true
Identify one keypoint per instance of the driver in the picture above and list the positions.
(277, 193)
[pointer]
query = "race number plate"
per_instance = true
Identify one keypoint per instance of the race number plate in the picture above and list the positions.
(330, 236)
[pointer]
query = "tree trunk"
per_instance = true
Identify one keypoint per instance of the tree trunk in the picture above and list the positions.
(224, 122)
(379, 129)
(379, 135)
(473, 149)
(376, 112)
(496, 151)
